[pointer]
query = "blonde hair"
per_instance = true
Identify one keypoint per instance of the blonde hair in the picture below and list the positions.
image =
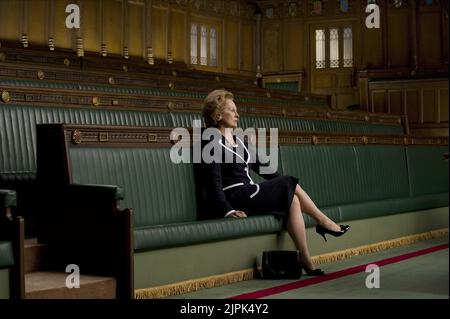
(213, 106)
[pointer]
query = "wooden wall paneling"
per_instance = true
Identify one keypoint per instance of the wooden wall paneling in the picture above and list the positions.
(430, 36)
(385, 32)
(10, 20)
(293, 44)
(271, 35)
(63, 36)
(395, 102)
(281, 46)
(247, 46)
(148, 13)
(90, 30)
(136, 41)
(112, 26)
(412, 106)
(323, 80)
(443, 105)
(178, 30)
(125, 30)
(231, 49)
(344, 99)
(379, 104)
(36, 20)
(444, 31)
(159, 32)
(49, 27)
(413, 38)
(23, 14)
(398, 37)
(429, 105)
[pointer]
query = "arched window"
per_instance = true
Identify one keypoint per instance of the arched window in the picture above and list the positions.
(204, 39)
(328, 47)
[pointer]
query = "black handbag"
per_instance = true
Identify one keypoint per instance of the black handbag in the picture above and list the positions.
(281, 264)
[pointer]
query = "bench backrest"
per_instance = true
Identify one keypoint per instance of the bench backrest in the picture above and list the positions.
(159, 191)
(136, 159)
(340, 174)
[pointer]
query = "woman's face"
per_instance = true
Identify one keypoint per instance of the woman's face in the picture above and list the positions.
(229, 116)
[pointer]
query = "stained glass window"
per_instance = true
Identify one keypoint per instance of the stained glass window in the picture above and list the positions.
(320, 49)
(334, 48)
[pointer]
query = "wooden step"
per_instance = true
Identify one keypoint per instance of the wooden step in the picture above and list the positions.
(52, 285)
(35, 255)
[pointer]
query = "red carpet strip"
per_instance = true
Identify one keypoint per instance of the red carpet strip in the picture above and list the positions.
(334, 275)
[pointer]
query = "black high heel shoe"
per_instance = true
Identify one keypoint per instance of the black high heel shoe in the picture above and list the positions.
(322, 231)
(314, 272)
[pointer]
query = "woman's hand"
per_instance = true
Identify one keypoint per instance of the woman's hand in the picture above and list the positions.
(238, 214)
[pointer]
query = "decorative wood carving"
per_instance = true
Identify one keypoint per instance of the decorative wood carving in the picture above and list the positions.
(120, 135)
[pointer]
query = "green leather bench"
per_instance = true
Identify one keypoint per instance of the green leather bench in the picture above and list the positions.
(18, 137)
(361, 181)
(350, 177)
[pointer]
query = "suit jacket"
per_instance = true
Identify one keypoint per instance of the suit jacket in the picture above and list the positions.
(220, 175)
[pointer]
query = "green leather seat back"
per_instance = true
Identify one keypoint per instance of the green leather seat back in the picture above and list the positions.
(357, 127)
(427, 169)
(18, 133)
(159, 191)
(334, 175)
(314, 125)
(184, 119)
(281, 123)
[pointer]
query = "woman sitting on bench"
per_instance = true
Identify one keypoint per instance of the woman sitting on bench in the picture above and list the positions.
(231, 192)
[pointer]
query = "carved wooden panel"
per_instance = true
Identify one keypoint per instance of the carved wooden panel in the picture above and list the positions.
(112, 26)
(324, 80)
(443, 105)
(397, 37)
(293, 42)
(430, 37)
(159, 33)
(136, 29)
(429, 106)
(271, 34)
(378, 101)
(344, 99)
(232, 44)
(36, 21)
(395, 102)
(178, 30)
(90, 26)
(412, 105)
(247, 46)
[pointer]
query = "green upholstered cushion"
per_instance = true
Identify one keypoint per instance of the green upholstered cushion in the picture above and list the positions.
(6, 254)
(427, 169)
(159, 191)
(7, 198)
(334, 175)
(155, 237)
(392, 206)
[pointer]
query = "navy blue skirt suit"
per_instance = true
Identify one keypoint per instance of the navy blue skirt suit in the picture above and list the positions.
(228, 186)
